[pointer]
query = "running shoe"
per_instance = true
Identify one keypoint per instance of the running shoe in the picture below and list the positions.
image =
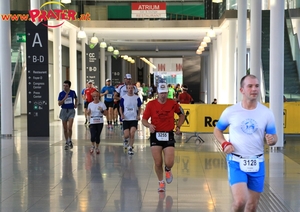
(66, 146)
(169, 177)
(162, 186)
(98, 151)
(86, 121)
(92, 149)
(125, 144)
(71, 144)
(130, 151)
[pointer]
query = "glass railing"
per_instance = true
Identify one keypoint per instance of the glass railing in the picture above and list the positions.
(16, 74)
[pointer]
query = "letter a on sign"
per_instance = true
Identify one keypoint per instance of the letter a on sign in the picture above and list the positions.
(37, 40)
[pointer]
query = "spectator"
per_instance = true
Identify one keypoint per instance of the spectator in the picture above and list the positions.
(171, 92)
(185, 97)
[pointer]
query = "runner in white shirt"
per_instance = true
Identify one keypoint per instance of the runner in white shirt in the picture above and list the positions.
(121, 91)
(130, 110)
(249, 123)
(96, 110)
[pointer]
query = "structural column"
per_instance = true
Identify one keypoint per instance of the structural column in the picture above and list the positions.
(210, 75)
(203, 78)
(214, 69)
(73, 60)
(102, 68)
(57, 77)
(108, 72)
(277, 65)
(5, 77)
(231, 61)
(242, 45)
(219, 69)
(83, 62)
(255, 44)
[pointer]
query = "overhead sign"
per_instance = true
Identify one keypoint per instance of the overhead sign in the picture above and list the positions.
(148, 10)
(37, 80)
(93, 64)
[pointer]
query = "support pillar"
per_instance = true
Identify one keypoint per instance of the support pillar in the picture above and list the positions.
(57, 77)
(5, 75)
(255, 44)
(242, 45)
(277, 65)
(102, 68)
(73, 60)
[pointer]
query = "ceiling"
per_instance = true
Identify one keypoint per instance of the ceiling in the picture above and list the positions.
(151, 38)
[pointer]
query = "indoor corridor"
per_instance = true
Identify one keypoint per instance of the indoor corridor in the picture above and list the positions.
(38, 175)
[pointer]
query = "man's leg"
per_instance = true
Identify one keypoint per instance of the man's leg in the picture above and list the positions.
(70, 126)
(158, 161)
(239, 193)
(110, 115)
(131, 140)
(65, 127)
(169, 153)
(252, 201)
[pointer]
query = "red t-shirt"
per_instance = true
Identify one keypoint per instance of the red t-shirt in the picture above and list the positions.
(88, 94)
(185, 98)
(162, 115)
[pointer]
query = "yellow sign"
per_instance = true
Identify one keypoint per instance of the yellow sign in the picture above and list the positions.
(202, 118)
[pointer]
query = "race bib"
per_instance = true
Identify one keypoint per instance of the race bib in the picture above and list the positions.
(249, 164)
(162, 136)
(96, 119)
(68, 100)
(129, 109)
(109, 96)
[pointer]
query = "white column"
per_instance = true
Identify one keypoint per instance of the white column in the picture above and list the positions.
(203, 87)
(102, 68)
(57, 77)
(5, 75)
(34, 4)
(220, 69)
(83, 62)
(242, 45)
(83, 68)
(276, 64)
(210, 75)
(224, 69)
(108, 72)
(215, 70)
(231, 61)
(73, 59)
(255, 36)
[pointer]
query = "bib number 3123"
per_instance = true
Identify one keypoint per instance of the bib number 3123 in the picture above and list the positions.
(249, 165)
(162, 136)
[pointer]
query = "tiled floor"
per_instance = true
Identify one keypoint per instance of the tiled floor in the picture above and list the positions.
(37, 174)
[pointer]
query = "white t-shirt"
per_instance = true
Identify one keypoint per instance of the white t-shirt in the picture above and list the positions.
(247, 128)
(96, 115)
(122, 90)
(130, 106)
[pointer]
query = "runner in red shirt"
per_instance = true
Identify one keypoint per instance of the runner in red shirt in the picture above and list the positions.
(161, 111)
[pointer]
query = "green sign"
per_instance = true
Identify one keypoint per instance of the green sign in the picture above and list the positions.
(21, 37)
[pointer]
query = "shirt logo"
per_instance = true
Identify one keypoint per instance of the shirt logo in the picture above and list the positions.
(249, 126)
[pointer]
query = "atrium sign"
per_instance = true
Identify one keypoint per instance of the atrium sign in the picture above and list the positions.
(148, 10)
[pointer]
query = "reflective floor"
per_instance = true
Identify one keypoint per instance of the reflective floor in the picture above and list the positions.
(37, 174)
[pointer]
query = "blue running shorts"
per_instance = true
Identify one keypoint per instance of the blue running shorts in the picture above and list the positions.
(254, 180)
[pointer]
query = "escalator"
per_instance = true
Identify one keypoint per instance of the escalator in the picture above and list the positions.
(291, 80)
